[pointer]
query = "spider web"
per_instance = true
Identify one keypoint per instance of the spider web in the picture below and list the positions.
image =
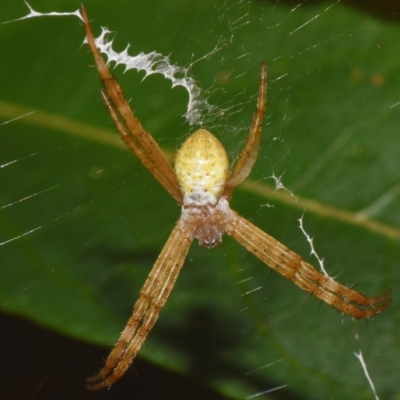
(82, 222)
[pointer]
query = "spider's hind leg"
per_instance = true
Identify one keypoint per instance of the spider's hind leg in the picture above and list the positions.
(248, 155)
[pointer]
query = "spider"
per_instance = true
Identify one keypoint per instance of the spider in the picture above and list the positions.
(203, 185)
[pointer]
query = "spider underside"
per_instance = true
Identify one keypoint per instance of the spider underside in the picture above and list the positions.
(202, 184)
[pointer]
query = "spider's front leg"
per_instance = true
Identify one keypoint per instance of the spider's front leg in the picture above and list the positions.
(153, 296)
(292, 266)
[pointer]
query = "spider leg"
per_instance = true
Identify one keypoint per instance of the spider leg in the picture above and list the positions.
(292, 266)
(248, 155)
(130, 129)
(153, 296)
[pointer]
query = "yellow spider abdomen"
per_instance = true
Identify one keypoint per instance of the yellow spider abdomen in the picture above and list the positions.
(202, 168)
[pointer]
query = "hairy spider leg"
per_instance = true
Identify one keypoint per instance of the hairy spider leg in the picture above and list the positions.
(153, 296)
(248, 155)
(130, 129)
(292, 266)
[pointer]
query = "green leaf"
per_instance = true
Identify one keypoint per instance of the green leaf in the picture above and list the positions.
(82, 222)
